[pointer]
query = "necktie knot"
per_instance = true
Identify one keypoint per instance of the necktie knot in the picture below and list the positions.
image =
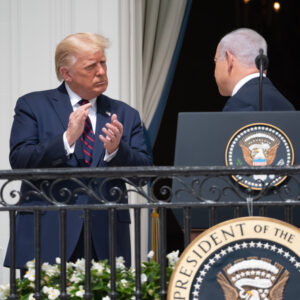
(83, 101)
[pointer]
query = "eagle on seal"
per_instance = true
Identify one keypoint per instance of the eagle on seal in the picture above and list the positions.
(266, 154)
(230, 293)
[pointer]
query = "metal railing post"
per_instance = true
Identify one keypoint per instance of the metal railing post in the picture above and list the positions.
(162, 252)
(63, 259)
(12, 228)
(137, 235)
(37, 251)
(187, 226)
(112, 251)
(87, 254)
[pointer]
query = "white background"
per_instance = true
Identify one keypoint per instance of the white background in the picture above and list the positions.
(29, 33)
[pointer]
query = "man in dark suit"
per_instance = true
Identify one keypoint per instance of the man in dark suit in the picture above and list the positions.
(75, 125)
(238, 77)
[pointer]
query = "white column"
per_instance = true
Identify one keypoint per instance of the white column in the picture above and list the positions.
(131, 43)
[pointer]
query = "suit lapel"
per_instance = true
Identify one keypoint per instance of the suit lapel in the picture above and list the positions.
(63, 108)
(62, 105)
(103, 116)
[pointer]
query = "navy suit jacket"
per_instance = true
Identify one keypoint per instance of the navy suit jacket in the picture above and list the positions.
(247, 98)
(36, 141)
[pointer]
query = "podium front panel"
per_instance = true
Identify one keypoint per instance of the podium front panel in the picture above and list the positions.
(201, 140)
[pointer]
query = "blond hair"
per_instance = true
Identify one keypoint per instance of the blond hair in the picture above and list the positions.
(72, 45)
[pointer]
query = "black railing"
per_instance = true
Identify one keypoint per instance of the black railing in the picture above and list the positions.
(182, 188)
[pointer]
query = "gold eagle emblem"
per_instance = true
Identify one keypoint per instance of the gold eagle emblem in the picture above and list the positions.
(259, 148)
(253, 279)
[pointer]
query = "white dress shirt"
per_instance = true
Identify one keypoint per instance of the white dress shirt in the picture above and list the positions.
(74, 98)
(243, 81)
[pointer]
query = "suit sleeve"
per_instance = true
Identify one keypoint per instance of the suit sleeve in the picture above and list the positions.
(132, 149)
(29, 147)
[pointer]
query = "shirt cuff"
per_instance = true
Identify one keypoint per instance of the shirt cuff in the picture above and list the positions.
(69, 150)
(109, 157)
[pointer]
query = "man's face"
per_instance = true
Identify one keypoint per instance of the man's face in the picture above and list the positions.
(87, 77)
(221, 74)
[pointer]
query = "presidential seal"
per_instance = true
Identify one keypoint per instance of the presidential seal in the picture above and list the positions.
(259, 144)
(251, 258)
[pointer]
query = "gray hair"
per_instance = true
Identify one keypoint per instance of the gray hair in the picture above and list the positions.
(244, 44)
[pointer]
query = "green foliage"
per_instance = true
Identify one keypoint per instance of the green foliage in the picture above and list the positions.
(239, 162)
(100, 280)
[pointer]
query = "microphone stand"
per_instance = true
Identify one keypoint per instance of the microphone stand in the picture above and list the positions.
(261, 62)
(260, 87)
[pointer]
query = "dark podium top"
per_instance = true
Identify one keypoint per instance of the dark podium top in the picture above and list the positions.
(201, 140)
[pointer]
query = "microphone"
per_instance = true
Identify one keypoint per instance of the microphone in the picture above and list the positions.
(262, 63)
(261, 60)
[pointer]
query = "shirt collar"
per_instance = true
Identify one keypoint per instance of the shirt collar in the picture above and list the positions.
(243, 81)
(74, 98)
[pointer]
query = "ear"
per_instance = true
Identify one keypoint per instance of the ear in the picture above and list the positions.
(65, 73)
(230, 61)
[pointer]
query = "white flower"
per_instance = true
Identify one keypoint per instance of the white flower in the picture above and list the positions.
(4, 287)
(70, 289)
(57, 260)
(120, 263)
(31, 297)
(50, 270)
(2, 296)
(150, 254)
(173, 258)
(30, 274)
(132, 271)
(106, 298)
(80, 265)
(30, 264)
(75, 278)
(99, 267)
(45, 266)
(143, 277)
(4, 291)
(80, 293)
(51, 292)
(124, 282)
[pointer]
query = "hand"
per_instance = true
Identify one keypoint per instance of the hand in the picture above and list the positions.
(113, 132)
(76, 123)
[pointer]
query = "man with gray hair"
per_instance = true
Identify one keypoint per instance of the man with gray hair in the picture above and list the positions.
(237, 76)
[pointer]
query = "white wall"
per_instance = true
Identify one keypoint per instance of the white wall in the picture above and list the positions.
(29, 33)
